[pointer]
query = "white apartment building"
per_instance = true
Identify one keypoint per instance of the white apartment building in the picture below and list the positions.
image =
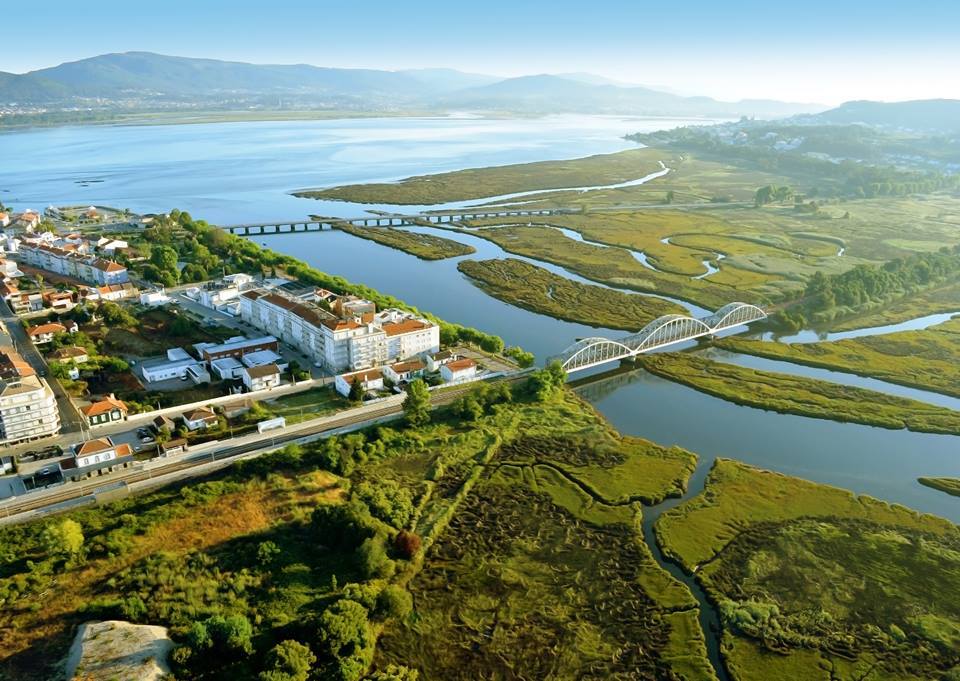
(86, 268)
(339, 344)
(28, 407)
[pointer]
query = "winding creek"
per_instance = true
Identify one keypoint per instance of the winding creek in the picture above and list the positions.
(243, 172)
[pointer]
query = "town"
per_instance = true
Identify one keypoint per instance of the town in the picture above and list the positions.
(102, 370)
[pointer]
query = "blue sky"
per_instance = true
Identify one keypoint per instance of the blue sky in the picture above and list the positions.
(812, 51)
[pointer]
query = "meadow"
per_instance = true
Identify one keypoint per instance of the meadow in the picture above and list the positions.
(423, 246)
(813, 582)
(949, 485)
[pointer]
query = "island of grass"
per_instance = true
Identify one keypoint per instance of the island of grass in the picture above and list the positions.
(423, 246)
(478, 183)
(533, 288)
(924, 359)
(799, 395)
(815, 583)
(608, 265)
(949, 485)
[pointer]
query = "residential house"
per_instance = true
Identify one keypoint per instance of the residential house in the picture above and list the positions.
(404, 372)
(199, 419)
(172, 447)
(105, 411)
(435, 360)
(21, 302)
(71, 354)
(162, 422)
(262, 377)
(154, 298)
(369, 379)
(458, 370)
(96, 457)
(232, 410)
(44, 333)
(262, 357)
(61, 301)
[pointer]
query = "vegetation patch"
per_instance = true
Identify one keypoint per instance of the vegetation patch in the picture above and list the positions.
(814, 582)
(920, 359)
(538, 290)
(799, 395)
(423, 246)
(948, 485)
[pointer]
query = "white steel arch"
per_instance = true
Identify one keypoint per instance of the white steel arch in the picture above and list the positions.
(661, 332)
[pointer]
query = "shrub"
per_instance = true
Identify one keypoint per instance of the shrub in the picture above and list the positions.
(347, 639)
(406, 544)
(394, 602)
(288, 661)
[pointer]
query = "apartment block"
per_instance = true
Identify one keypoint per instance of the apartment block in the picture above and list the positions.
(28, 407)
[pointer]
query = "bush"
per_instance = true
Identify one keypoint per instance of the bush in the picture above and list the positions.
(395, 672)
(374, 561)
(347, 639)
(406, 544)
(288, 661)
(394, 603)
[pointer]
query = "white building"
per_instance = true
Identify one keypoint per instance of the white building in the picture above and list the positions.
(261, 357)
(226, 368)
(339, 344)
(154, 298)
(28, 407)
(262, 377)
(96, 457)
(179, 364)
(199, 419)
(458, 370)
(404, 372)
(369, 379)
(90, 269)
(435, 360)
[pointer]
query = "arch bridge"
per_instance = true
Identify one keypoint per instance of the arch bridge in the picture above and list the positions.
(661, 332)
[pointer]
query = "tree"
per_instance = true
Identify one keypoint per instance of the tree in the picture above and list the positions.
(406, 544)
(394, 603)
(669, 197)
(232, 633)
(373, 558)
(356, 391)
(267, 552)
(395, 672)
(288, 661)
(416, 405)
(64, 538)
(194, 272)
(347, 639)
(164, 259)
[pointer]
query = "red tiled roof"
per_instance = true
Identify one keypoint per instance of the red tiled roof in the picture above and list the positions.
(104, 406)
(405, 326)
(364, 376)
(46, 328)
(460, 364)
(199, 415)
(101, 444)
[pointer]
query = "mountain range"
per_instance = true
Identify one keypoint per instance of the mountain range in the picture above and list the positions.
(133, 80)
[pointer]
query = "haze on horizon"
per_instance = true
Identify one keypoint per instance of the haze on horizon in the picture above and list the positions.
(823, 52)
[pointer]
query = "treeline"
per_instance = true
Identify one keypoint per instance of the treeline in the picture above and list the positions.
(844, 178)
(210, 251)
(865, 286)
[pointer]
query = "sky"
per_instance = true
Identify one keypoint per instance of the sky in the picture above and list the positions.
(823, 51)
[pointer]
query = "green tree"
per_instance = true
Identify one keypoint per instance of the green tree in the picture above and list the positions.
(63, 538)
(356, 391)
(373, 558)
(164, 259)
(394, 603)
(267, 553)
(416, 405)
(347, 639)
(669, 197)
(288, 661)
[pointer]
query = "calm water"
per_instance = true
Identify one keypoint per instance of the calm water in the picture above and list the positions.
(241, 172)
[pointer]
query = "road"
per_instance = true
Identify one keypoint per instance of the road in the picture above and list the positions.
(70, 420)
(260, 444)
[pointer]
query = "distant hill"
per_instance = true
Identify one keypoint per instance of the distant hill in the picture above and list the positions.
(547, 93)
(143, 80)
(923, 114)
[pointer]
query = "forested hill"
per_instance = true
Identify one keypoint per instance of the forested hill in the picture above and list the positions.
(942, 115)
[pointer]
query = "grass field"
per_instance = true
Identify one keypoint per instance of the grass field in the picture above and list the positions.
(921, 359)
(477, 183)
(424, 246)
(534, 288)
(307, 405)
(949, 485)
(802, 396)
(813, 582)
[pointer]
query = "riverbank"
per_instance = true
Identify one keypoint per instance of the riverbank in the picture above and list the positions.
(926, 359)
(949, 485)
(533, 288)
(423, 246)
(813, 582)
(802, 396)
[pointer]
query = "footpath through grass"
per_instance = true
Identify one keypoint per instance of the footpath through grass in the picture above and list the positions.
(815, 583)
(799, 395)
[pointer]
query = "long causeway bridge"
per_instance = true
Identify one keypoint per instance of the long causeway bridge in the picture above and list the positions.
(316, 224)
(661, 332)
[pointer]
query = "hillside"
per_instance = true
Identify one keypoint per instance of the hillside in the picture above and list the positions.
(942, 115)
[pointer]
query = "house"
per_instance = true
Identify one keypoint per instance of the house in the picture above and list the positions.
(438, 359)
(162, 422)
(96, 456)
(369, 379)
(102, 412)
(171, 447)
(21, 302)
(71, 354)
(44, 333)
(458, 370)
(60, 301)
(262, 377)
(4, 219)
(232, 410)
(236, 347)
(404, 372)
(154, 298)
(117, 292)
(9, 269)
(199, 419)
(178, 364)
(262, 357)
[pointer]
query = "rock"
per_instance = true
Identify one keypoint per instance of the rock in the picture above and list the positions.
(119, 651)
